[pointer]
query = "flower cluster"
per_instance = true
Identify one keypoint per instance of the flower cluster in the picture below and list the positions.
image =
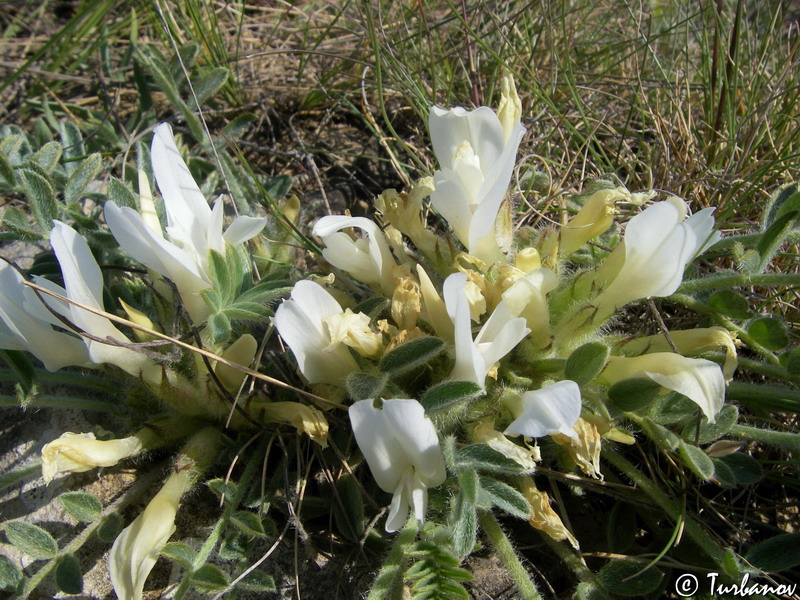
(502, 309)
(453, 349)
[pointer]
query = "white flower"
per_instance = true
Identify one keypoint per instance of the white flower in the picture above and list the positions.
(659, 243)
(498, 336)
(79, 452)
(402, 450)
(193, 228)
(26, 324)
(700, 380)
(301, 323)
(549, 410)
(83, 283)
(368, 259)
(527, 298)
(136, 548)
(476, 154)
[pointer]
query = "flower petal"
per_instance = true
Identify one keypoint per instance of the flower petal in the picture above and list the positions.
(244, 228)
(376, 438)
(417, 436)
(188, 212)
(552, 409)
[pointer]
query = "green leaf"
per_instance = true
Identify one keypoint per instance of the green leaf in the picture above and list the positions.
(660, 434)
(769, 332)
(17, 221)
(710, 432)
(257, 581)
(730, 303)
(209, 83)
(7, 171)
(792, 360)
(621, 528)
(672, 408)
(81, 177)
(772, 239)
(110, 528)
(236, 128)
(41, 198)
(22, 366)
(209, 579)
(464, 516)
(69, 578)
(180, 553)
(157, 67)
(81, 506)
(411, 355)
(220, 327)
(616, 577)
(248, 522)
(278, 187)
(776, 554)
(235, 547)
(348, 509)
(31, 540)
(188, 57)
(698, 461)
(448, 394)
(746, 470)
(723, 474)
(48, 156)
(12, 477)
(505, 497)
(785, 200)
(72, 140)
(121, 194)
(10, 575)
(221, 489)
(633, 394)
(481, 457)
(363, 386)
(586, 362)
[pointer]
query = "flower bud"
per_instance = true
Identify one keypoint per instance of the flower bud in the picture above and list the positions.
(593, 219)
(406, 302)
(528, 259)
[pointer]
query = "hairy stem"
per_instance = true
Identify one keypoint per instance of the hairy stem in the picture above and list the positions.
(508, 556)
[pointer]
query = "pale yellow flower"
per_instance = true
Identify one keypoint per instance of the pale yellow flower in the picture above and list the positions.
(79, 452)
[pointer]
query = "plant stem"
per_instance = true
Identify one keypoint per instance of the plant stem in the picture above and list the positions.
(569, 558)
(789, 441)
(509, 557)
(389, 580)
(738, 280)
